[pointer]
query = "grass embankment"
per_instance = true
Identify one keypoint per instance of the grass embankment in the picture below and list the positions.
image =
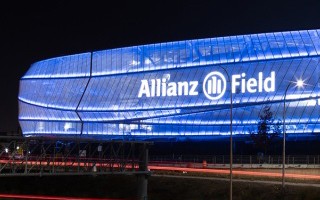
(180, 188)
(163, 188)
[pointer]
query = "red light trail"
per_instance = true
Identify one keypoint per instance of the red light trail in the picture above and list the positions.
(21, 196)
(236, 172)
(172, 168)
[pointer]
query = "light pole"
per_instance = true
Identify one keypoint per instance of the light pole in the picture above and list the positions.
(231, 150)
(299, 84)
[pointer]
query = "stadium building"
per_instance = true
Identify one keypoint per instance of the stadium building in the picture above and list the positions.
(180, 89)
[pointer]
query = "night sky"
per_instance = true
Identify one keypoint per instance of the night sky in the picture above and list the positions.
(33, 31)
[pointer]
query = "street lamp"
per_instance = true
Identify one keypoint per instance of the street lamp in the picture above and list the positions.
(231, 150)
(299, 84)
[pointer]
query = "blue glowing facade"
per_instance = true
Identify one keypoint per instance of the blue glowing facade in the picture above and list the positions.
(176, 89)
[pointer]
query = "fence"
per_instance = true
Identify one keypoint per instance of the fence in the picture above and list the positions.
(74, 156)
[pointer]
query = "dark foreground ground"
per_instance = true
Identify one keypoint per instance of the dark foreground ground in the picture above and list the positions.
(125, 186)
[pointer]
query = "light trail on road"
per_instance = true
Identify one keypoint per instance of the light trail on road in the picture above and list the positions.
(167, 168)
(41, 197)
(240, 180)
(235, 172)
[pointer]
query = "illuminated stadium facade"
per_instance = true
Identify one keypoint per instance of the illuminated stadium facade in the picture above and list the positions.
(176, 89)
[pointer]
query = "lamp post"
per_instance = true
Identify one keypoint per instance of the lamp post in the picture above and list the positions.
(299, 84)
(231, 150)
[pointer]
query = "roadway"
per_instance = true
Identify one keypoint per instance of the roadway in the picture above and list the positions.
(94, 166)
(42, 197)
(239, 180)
(236, 172)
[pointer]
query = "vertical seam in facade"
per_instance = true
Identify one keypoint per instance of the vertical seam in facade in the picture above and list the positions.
(85, 89)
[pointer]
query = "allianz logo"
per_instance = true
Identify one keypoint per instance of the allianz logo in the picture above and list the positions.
(214, 85)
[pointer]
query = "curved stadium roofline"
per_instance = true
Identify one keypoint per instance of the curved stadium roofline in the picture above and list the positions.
(210, 51)
(98, 93)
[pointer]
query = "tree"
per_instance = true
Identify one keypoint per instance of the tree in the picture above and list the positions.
(268, 129)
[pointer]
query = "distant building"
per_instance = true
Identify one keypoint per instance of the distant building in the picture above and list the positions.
(176, 89)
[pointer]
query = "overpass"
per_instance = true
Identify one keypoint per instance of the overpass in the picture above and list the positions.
(54, 156)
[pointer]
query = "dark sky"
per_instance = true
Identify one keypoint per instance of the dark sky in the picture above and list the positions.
(33, 31)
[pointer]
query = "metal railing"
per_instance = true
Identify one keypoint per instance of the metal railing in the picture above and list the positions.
(62, 156)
